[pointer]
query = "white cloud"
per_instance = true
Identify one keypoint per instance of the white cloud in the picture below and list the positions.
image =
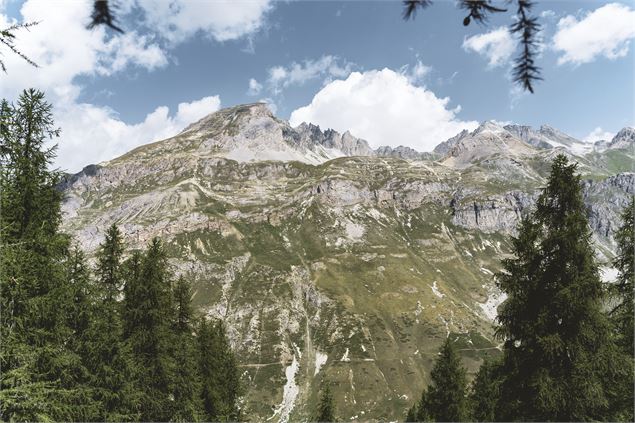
(548, 14)
(254, 87)
(599, 134)
(417, 73)
(497, 46)
(92, 134)
(328, 67)
(221, 20)
(606, 31)
(385, 108)
(271, 104)
(64, 49)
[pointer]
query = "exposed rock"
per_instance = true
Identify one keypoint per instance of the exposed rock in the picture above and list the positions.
(328, 266)
(623, 139)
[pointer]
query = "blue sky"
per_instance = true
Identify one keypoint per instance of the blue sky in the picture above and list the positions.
(348, 65)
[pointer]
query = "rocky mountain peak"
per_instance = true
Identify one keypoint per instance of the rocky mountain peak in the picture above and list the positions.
(489, 126)
(235, 116)
(625, 138)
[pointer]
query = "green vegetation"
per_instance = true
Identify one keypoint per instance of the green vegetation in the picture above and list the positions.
(113, 343)
(326, 406)
(564, 357)
(445, 399)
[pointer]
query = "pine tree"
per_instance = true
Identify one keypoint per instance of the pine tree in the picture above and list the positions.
(557, 350)
(187, 393)
(219, 373)
(326, 406)
(148, 307)
(42, 376)
(445, 400)
(483, 399)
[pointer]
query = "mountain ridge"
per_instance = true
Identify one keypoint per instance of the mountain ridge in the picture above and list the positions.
(352, 270)
(263, 136)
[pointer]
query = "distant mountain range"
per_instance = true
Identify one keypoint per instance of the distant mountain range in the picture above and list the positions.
(333, 261)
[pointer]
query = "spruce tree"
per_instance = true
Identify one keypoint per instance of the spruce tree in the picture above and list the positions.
(132, 291)
(557, 345)
(219, 373)
(42, 376)
(326, 406)
(622, 315)
(187, 394)
(422, 413)
(445, 400)
(149, 310)
(485, 391)
(411, 415)
(109, 358)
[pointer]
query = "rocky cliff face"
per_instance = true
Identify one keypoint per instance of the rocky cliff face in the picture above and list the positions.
(352, 269)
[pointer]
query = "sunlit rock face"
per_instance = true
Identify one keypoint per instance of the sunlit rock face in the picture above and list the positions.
(332, 261)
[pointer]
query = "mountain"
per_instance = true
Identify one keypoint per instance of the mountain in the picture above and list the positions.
(329, 260)
(549, 137)
(625, 139)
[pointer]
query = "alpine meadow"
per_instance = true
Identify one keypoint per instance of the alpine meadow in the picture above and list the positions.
(317, 211)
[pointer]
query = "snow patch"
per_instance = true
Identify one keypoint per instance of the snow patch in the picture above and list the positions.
(608, 274)
(435, 290)
(320, 360)
(486, 271)
(354, 231)
(345, 356)
(289, 393)
(490, 307)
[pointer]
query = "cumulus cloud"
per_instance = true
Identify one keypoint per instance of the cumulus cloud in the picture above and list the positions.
(599, 134)
(92, 52)
(221, 20)
(92, 134)
(327, 67)
(497, 46)
(254, 87)
(385, 108)
(605, 32)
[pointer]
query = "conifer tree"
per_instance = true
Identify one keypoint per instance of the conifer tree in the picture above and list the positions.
(150, 337)
(132, 291)
(446, 400)
(108, 357)
(187, 394)
(483, 398)
(219, 373)
(411, 415)
(422, 413)
(326, 406)
(558, 354)
(79, 314)
(42, 377)
(623, 313)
